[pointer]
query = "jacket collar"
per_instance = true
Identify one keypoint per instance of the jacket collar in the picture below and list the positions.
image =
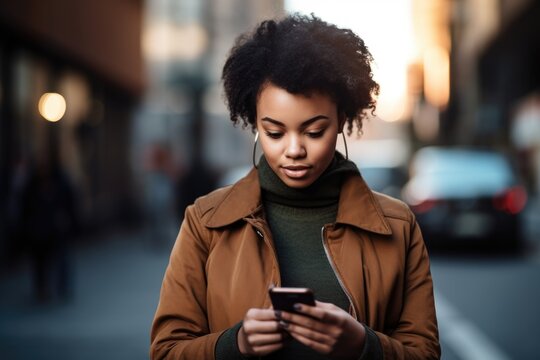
(241, 201)
(357, 205)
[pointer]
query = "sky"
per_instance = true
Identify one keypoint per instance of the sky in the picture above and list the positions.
(386, 28)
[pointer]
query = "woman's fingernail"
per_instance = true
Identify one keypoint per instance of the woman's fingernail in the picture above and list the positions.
(277, 313)
(297, 307)
(283, 324)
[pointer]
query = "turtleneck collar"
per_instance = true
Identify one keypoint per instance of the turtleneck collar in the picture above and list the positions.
(323, 192)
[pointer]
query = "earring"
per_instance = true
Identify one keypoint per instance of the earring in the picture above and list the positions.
(345, 143)
(254, 150)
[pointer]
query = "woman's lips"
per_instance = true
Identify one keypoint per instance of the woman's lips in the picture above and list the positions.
(295, 171)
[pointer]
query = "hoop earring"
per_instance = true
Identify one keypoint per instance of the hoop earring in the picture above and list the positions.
(254, 150)
(345, 143)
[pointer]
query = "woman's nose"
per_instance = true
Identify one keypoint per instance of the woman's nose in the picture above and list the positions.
(295, 148)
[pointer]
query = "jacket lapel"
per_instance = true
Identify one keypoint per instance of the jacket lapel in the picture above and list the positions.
(358, 207)
(242, 200)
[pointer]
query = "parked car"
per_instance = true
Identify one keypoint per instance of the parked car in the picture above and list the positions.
(382, 164)
(465, 194)
(384, 179)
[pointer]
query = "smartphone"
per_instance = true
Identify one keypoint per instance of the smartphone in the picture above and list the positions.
(284, 298)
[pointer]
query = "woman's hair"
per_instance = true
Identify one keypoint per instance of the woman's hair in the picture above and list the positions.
(301, 54)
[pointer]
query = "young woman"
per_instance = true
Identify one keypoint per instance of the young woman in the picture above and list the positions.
(303, 217)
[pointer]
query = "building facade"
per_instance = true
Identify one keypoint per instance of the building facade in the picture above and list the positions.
(89, 52)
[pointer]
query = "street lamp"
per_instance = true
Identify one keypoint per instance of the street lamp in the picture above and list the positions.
(52, 106)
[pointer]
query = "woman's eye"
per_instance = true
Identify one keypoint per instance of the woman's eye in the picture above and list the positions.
(315, 134)
(273, 135)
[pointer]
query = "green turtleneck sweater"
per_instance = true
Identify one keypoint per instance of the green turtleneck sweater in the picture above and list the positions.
(296, 218)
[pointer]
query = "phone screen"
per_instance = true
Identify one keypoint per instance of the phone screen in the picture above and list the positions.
(284, 298)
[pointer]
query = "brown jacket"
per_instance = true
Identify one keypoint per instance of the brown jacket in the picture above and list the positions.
(224, 261)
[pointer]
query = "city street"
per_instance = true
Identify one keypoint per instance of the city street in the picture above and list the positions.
(116, 115)
(487, 305)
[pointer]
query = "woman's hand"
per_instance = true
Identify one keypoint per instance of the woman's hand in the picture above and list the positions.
(326, 329)
(260, 333)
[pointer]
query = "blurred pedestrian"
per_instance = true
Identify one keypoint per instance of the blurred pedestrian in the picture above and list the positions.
(16, 186)
(196, 181)
(303, 217)
(159, 179)
(525, 135)
(44, 210)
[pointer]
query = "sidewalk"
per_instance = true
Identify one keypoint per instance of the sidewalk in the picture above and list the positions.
(116, 285)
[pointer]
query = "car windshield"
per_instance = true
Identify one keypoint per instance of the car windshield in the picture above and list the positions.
(462, 173)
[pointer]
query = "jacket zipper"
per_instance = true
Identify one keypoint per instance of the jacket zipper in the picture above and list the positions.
(261, 233)
(340, 280)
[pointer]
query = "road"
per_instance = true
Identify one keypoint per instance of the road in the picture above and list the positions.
(487, 305)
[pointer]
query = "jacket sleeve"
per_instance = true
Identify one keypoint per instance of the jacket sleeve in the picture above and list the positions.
(180, 328)
(416, 334)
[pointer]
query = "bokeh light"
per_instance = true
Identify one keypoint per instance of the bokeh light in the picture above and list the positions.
(52, 106)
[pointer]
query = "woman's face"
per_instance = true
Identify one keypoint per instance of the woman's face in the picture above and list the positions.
(297, 134)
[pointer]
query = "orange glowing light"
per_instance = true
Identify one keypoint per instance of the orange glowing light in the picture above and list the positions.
(52, 106)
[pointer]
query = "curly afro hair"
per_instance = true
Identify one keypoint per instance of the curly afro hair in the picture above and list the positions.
(301, 54)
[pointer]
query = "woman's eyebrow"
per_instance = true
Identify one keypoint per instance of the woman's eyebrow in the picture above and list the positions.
(304, 124)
